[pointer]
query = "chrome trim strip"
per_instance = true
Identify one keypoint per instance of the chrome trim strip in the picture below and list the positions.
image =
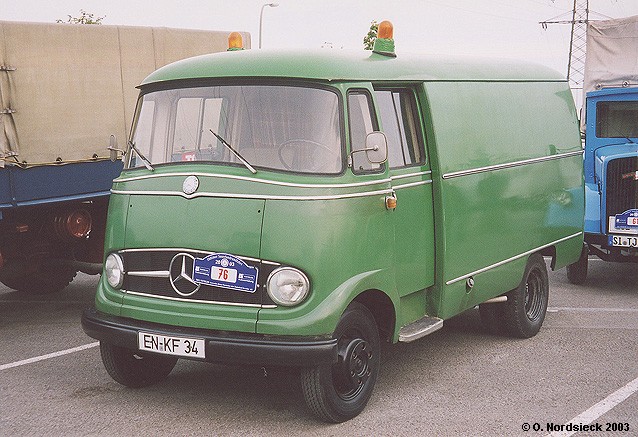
(500, 263)
(182, 249)
(252, 196)
(412, 184)
(235, 304)
(156, 274)
(261, 181)
(409, 175)
(456, 174)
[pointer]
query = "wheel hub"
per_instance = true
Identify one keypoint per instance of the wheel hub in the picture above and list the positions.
(355, 362)
(533, 296)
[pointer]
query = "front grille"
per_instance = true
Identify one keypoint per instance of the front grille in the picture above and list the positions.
(622, 186)
(149, 272)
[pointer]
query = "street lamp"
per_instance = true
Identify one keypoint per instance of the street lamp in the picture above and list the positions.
(261, 17)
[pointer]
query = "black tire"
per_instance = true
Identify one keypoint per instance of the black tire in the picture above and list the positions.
(577, 272)
(45, 279)
(526, 305)
(338, 392)
(133, 368)
(493, 317)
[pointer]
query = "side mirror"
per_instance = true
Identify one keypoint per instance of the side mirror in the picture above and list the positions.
(115, 153)
(376, 147)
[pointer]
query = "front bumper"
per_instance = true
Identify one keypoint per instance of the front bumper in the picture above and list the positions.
(221, 347)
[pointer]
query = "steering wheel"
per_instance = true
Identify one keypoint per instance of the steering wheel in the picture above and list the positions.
(293, 161)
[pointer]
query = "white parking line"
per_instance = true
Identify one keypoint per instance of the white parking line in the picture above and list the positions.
(600, 408)
(592, 310)
(47, 356)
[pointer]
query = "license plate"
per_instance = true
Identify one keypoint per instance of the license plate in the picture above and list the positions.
(623, 241)
(169, 345)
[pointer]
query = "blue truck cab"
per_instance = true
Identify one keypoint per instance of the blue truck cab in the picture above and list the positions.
(611, 179)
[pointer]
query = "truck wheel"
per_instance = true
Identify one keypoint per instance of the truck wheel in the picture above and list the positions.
(527, 304)
(133, 368)
(340, 391)
(577, 272)
(44, 280)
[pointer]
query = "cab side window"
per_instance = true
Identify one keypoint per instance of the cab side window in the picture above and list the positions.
(399, 116)
(361, 121)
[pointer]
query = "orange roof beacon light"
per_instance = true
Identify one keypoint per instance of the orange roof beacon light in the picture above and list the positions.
(235, 42)
(384, 44)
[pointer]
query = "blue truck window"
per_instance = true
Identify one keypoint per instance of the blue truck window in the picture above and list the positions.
(617, 119)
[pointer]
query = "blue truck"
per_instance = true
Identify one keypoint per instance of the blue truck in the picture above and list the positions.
(610, 123)
(65, 90)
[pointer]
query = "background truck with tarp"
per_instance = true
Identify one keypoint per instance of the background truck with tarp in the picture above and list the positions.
(610, 123)
(64, 90)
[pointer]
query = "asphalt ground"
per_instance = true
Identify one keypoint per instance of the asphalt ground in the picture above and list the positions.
(582, 367)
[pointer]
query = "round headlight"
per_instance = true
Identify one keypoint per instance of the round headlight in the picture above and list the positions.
(114, 270)
(287, 286)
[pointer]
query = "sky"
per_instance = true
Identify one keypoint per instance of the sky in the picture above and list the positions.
(495, 28)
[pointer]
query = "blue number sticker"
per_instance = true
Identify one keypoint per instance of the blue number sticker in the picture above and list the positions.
(628, 219)
(225, 271)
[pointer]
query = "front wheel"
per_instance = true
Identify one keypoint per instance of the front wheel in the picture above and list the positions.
(133, 368)
(340, 391)
(526, 305)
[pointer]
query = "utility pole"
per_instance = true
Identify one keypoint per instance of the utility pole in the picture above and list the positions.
(577, 43)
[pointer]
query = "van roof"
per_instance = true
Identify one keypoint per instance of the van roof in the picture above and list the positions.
(341, 65)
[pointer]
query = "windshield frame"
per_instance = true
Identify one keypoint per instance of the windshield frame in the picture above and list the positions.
(216, 82)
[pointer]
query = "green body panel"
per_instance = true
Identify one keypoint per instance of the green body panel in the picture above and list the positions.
(116, 223)
(344, 246)
(413, 228)
(493, 215)
(343, 65)
(195, 315)
(447, 225)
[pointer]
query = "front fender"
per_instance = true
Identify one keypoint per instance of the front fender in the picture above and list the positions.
(322, 319)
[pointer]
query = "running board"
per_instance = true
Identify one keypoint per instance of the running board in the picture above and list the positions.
(420, 328)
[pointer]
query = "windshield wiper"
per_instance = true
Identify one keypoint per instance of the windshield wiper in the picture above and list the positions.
(235, 152)
(146, 162)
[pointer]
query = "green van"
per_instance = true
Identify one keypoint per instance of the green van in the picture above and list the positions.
(299, 208)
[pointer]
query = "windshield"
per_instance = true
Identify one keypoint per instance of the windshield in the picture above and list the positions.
(284, 128)
(617, 119)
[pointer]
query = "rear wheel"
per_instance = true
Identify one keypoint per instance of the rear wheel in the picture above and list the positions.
(577, 272)
(526, 305)
(340, 391)
(133, 368)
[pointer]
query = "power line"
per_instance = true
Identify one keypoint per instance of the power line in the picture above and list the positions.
(578, 19)
(578, 41)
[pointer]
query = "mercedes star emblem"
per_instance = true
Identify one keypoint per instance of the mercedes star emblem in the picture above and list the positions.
(181, 272)
(190, 185)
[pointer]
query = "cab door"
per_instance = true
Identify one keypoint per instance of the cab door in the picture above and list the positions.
(411, 179)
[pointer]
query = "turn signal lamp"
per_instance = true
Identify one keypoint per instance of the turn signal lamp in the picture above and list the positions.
(235, 42)
(384, 44)
(391, 202)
